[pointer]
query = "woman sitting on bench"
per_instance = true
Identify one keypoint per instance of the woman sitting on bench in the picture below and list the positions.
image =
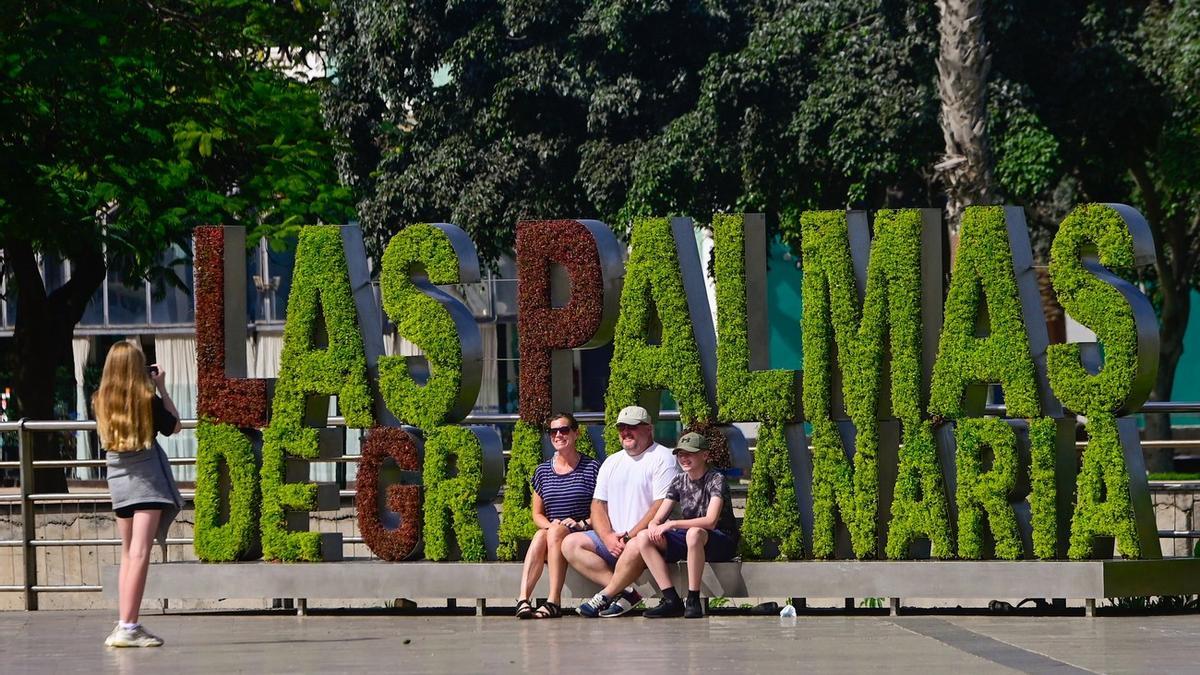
(561, 502)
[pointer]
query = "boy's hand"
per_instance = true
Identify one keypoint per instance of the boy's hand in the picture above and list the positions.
(657, 532)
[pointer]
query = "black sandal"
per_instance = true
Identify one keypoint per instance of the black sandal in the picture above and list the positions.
(548, 610)
(524, 609)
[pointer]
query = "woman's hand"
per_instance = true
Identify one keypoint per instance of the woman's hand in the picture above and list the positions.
(658, 531)
(158, 376)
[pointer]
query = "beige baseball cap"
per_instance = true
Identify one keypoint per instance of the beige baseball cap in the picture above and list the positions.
(633, 414)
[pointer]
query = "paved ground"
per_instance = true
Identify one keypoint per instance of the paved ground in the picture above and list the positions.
(49, 641)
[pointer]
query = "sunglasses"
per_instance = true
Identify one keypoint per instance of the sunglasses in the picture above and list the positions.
(560, 430)
(627, 427)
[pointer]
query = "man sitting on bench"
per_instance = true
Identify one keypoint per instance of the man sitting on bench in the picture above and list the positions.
(629, 489)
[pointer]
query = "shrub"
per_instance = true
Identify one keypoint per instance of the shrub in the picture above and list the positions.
(516, 522)
(654, 281)
(402, 541)
(236, 401)
(772, 507)
(1103, 505)
(1097, 305)
(320, 303)
(1043, 493)
(985, 493)
(983, 277)
(426, 317)
(238, 538)
(835, 317)
(543, 328)
(450, 502)
(743, 394)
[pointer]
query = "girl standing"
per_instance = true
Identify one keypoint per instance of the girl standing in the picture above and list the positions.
(128, 415)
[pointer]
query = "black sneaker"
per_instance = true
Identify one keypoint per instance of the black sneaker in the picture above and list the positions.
(692, 609)
(666, 609)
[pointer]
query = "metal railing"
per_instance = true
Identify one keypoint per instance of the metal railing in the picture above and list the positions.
(29, 542)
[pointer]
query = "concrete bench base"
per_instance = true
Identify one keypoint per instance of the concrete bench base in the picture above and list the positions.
(1087, 580)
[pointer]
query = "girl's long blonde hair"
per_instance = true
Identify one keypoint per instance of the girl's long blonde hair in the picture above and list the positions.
(122, 404)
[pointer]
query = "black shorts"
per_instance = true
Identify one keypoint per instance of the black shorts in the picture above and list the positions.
(127, 511)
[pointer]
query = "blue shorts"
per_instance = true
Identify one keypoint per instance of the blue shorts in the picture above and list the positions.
(602, 550)
(719, 548)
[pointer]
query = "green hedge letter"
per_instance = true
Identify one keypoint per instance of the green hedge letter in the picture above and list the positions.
(663, 294)
(1112, 495)
(322, 356)
(839, 280)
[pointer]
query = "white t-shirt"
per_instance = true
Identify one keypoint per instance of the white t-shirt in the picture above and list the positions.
(631, 484)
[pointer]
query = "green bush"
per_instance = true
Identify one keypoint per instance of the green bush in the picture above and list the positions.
(422, 320)
(772, 509)
(742, 394)
(1096, 305)
(1043, 502)
(919, 506)
(983, 277)
(835, 318)
(516, 522)
(767, 396)
(451, 502)
(320, 288)
(237, 539)
(1103, 395)
(985, 493)
(654, 281)
(1103, 506)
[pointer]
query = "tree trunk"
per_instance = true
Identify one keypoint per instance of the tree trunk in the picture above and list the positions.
(45, 324)
(1175, 272)
(963, 64)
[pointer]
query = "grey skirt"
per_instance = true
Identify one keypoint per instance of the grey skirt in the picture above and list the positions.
(144, 476)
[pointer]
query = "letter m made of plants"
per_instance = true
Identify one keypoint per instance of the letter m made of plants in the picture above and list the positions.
(858, 293)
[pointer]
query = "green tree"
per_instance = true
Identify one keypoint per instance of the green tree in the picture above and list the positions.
(485, 113)
(1100, 101)
(123, 125)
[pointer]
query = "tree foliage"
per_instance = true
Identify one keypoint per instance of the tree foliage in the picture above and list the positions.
(125, 124)
(484, 113)
(487, 112)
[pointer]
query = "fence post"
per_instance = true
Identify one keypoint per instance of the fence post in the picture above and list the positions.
(28, 521)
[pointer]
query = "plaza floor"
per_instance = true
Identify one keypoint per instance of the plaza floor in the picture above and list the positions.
(60, 642)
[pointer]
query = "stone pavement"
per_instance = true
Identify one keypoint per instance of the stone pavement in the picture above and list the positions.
(61, 642)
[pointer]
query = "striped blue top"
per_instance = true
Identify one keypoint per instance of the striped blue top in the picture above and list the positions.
(568, 495)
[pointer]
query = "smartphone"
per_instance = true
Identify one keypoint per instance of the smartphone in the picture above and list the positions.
(151, 370)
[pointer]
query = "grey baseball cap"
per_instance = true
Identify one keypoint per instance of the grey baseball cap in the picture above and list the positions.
(691, 442)
(634, 414)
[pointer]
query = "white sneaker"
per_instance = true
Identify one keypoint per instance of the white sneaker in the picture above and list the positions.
(592, 608)
(132, 637)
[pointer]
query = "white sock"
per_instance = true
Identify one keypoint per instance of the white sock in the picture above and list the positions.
(128, 626)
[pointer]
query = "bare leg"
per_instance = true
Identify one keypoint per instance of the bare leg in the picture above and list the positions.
(557, 563)
(652, 556)
(534, 559)
(629, 568)
(697, 537)
(580, 552)
(137, 538)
